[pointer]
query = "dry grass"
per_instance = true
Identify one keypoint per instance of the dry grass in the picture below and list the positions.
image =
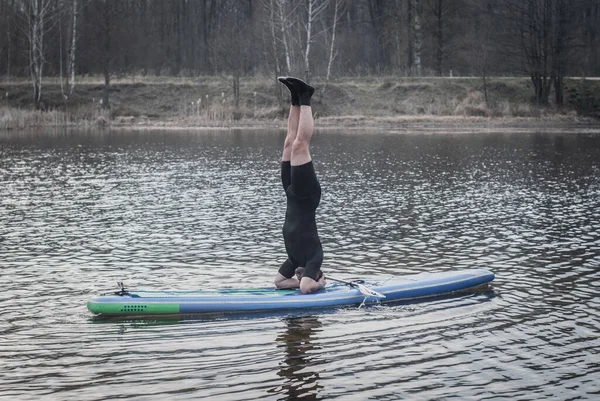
(11, 118)
(18, 118)
(208, 101)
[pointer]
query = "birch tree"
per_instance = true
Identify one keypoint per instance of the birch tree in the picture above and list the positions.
(285, 27)
(332, 50)
(269, 5)
(280, 24)
(72, 48)
(314, 9)
(417, 37)
(37, 16)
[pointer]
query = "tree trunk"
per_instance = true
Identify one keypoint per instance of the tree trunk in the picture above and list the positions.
(309, 23)
(559, 91)
(418, 37)
(439, 37)
(236, 89)
(37, 11)
(178, 62)
(314, 9)
(559, 48)
(107, 21)
(485, 90)
(284, 25)
(209, 15)
(8, 38)
(409, 23)
(72, 50)
(271, 6)
(60, 58)
(332, 47)
(376, 12)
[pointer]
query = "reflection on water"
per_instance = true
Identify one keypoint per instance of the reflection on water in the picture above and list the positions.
(301, 377)
(166, 209)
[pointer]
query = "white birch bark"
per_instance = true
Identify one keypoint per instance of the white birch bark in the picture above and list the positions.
(308, 40)
(72, 50)
(37, 11)
(314, 9)
(273, 36)
(285, 26)
(418, 36)
(332, 52)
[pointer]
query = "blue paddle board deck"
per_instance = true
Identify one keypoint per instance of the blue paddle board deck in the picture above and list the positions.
(230, 300)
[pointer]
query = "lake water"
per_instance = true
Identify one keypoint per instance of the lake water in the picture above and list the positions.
(80, 211)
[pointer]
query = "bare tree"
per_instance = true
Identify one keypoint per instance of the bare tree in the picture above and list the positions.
(543, 28)
(532, 22)
(547, 39)
(3, 13)
(337, 11)
(377, 14)
(105, 22)
(73, 48)
(37, 15)
(439, 35)
(438, 22)
(269, 5)
(285, 25)
(314, 9)
(209, 13)
(480, 43)
(9, 11)
(417, 35)
(234, 48)
(591, 43)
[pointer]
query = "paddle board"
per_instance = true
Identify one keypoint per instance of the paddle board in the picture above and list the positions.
(231, 300)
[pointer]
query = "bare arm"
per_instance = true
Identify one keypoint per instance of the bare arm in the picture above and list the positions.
(283, 282)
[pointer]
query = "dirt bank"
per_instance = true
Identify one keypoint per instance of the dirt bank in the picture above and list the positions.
(382, 102)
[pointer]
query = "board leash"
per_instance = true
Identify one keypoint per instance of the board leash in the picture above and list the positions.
(366, 291)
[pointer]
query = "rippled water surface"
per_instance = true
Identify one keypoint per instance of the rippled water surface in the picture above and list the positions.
(81, 210)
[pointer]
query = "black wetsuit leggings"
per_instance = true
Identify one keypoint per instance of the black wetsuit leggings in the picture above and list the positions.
(302, 243)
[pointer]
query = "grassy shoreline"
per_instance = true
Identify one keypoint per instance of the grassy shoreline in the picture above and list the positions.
(390, 103)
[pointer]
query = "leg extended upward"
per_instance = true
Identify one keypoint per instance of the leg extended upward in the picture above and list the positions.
(293, 121)
(303, 194)
(300, 148)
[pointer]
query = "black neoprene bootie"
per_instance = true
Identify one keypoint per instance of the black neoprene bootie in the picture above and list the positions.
(295, 101)
(304, 90)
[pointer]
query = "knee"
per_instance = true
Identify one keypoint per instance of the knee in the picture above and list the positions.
(288, 143)
(308, 285)
(299, 146)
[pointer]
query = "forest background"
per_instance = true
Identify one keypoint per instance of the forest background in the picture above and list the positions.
(214, 62)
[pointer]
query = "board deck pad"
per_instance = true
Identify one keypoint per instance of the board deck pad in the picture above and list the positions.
(236, 300)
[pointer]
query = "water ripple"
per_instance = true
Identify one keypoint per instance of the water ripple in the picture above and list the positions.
(82, 210)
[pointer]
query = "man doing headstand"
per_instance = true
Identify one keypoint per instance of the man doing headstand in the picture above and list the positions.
(303, 192)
